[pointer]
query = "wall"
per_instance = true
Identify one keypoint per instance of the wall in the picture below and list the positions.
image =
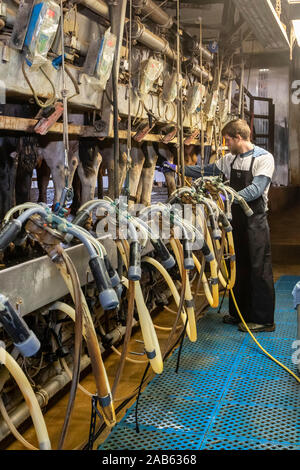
(276, 86)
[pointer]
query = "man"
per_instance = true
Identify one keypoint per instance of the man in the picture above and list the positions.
(249, 170)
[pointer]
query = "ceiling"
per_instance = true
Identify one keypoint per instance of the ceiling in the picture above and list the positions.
(252, 24)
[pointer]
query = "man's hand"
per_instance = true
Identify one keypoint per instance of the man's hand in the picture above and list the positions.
(168, 166)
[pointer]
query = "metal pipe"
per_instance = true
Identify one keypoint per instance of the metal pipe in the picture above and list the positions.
(146, 37)
(154, 12)
(97, 6)
(154, 42)
(196, 70)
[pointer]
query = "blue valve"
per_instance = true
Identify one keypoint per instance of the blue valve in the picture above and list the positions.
(57, 61)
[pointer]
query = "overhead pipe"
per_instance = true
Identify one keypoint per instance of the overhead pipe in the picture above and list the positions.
(146, 37)
(154, 12)
(97, 6)
(195, 69)
(154, 42)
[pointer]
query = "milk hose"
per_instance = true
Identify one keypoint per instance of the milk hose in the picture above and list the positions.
(189, 301)
(231, 251)
(13, 429)
(228, 229)
(177, 221)
(213, 294)
(36, 414)
(152, 347)
(171, 286)
(107, 295)
(134, 270)
(102, 384)
(19, 208)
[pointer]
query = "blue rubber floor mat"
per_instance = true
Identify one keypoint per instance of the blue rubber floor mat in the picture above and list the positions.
(227, 394)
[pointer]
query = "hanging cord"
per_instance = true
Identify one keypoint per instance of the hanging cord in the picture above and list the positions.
(129, 87)
(181, 344)
(137, 428)
(94, 413)
(180, 158)
(64, 93)
(129, 320)
(40, 103)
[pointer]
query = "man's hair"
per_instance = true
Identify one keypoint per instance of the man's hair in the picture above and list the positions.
(237, 127)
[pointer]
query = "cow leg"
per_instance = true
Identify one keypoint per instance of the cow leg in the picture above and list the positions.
(100, 192)
(147, 176)
(23, 186)
(138, 160)
(164, 153)
(43, 177)
(53, 154)
(8, 171)
(88, 176)
(106, 150)
(76, 203)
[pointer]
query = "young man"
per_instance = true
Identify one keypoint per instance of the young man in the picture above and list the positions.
(249, 170)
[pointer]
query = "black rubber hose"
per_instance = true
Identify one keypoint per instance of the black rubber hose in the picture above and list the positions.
(209, 256)
(107, 295)
(9, 233)
(114, 276)
(14, 325)
(162, 251)
(134, 270)
(81, 218)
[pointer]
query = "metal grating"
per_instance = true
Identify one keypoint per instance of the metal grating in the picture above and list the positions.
(227, 394)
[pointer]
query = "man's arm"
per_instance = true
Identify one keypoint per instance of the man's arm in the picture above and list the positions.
(256, 188)
(193, 171)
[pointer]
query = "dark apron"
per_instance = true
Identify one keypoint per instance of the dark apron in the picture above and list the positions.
(254, 288)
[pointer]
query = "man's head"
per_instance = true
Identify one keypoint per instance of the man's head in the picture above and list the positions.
(237, 136)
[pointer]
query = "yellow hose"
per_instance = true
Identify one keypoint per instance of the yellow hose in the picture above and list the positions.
(34, 408)
(13, 429)
(212, 294)
(20, 207)
(149, 334)
(172, 287)
(229, 283)
(103, 386)
(255, 340)
(188, 294)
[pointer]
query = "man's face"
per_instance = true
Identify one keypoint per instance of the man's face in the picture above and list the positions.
(233, 144)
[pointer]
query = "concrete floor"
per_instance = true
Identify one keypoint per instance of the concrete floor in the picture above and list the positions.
(285, 236)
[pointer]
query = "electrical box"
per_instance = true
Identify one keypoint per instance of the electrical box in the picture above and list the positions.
(150, 72)
(195, 94)
(41, 31)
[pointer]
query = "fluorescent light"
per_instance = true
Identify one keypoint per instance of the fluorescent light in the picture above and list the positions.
(296, 26)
